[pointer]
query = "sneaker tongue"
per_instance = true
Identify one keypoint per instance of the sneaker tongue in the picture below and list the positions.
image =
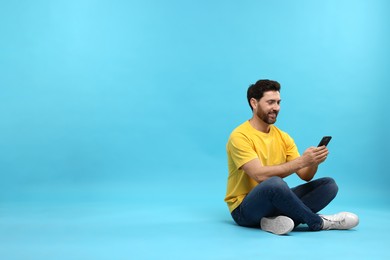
(326, 224)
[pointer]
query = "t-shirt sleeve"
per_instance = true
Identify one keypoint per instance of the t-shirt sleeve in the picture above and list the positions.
(291, 148)
(241, 149)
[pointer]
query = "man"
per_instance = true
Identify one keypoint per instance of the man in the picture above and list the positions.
(260, 155)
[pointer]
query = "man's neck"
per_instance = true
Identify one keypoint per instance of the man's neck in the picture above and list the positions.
(259, 125)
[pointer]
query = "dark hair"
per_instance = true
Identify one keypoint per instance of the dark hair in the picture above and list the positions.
(257, 90)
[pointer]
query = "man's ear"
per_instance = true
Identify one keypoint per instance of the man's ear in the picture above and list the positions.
(253, 103)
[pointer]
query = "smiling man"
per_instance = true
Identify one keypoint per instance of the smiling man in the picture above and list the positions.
(260, 155)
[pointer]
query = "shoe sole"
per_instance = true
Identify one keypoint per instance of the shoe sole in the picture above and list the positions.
(279, 225)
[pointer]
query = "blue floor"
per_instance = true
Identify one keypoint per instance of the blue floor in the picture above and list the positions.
(125, 220)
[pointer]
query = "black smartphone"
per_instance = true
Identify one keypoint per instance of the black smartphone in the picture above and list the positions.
(324, 141)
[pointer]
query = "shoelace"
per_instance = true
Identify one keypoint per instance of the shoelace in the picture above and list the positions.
(336, 223)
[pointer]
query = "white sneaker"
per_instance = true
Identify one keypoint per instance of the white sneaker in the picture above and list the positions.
(279, 225)
(342, 220)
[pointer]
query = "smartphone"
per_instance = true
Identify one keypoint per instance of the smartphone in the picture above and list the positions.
(324, 141)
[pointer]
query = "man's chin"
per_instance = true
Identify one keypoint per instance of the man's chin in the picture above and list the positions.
(271, 122)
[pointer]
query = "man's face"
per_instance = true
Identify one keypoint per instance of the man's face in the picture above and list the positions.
(268, 107)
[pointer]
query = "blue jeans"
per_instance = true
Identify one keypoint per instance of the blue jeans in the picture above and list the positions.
(273, 197)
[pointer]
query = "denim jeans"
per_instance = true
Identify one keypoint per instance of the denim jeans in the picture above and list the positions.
(273, 197)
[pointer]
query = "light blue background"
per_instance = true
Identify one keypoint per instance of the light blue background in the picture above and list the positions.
(132, 101)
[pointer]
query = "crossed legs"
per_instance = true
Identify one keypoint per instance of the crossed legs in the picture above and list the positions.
(273, 197)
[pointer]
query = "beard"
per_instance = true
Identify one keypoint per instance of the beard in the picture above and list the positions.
(269, 118)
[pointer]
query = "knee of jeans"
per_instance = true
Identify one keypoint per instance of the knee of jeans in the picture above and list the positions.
(276, 183)
(333, 187)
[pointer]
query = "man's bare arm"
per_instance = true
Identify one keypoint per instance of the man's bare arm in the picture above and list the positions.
(305, 166)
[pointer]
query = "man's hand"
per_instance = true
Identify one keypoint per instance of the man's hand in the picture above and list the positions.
(313, 156)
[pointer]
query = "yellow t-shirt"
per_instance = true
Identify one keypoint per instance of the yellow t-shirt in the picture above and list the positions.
(245, 144)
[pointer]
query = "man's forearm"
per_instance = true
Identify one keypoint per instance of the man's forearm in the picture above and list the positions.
(308, 172)
(262, 173)
(305, 166)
